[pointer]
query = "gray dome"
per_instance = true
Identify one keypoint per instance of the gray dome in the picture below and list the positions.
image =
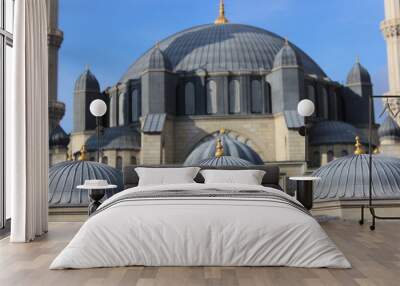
(158, 61)
(347, 178)
(87, 82)
(64, 177)
(358, 74)
(228, 47)
(224, 161)
(389, 129)
(232, 147)
(287, 57)
(116, 138)
(334, 132)
(58, 137)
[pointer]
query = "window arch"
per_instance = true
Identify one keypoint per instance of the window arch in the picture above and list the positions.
(316, 159)
(323, 103)
(211, 97)
(330, 156)
(133, 160)
(234, 96)
(268, 102)
(190, 99)
(104, 160)
(135, 105)
(345, 153)
(256, 97)
(118, 164)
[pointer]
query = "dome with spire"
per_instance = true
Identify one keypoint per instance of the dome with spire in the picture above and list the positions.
(207, 150)
(87, 82)
(58, 137)
(157, 60)
(358, 74)
(287, 57)
(223, 47)
(389, 129)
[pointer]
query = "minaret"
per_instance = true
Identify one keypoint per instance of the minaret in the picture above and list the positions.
(391, 30)
(221, 17)
(55, 38)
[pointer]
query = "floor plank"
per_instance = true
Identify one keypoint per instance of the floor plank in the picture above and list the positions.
(375, 257)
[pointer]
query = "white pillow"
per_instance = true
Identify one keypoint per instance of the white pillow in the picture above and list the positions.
(166, 176)
(246, 177)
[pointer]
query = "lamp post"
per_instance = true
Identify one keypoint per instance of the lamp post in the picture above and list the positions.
(98, 108)
(306, 108)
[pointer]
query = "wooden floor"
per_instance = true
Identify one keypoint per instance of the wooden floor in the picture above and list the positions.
(375, 257)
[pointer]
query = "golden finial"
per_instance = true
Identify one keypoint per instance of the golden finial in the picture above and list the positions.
(69, 155)
(359, 149)
(377, 151)
(219, 150)
(83, 156)
(221, 17)
(222, 130)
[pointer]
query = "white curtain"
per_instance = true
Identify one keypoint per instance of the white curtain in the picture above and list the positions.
(27, 123)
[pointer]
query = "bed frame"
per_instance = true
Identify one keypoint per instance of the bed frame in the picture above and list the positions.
(271, 177)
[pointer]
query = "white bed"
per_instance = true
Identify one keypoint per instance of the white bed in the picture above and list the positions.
(209, 230)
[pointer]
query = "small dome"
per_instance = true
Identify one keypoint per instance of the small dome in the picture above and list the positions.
(389, 129)
(64, 177)
(224, 161)
(232, 147)
(358, 75)
(334, 132)
(347, 178)
(58, 137)
(287, 57)
(158, 61)
(116, 138)
(87, 82)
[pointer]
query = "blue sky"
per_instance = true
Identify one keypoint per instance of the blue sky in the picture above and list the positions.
(108, 35)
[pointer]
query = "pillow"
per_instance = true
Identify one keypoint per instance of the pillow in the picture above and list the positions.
(166, 176)
(245, 177)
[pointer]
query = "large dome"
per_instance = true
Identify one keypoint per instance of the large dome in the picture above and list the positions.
(228, 47)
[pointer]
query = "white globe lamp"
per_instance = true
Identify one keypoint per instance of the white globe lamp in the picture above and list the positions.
(306, 108)
(98, 108)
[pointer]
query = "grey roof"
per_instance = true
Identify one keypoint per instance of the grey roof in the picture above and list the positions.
(358, 74)
(347, 178)
(87, 82)
(157, 60)
(232, 147)
(389, 129)
(229, 47)
(224, 161)
(64, 177)
(287, 57)
(293, 119)
(116, 138)
(154, 123)
(334, 132)
(58, 137)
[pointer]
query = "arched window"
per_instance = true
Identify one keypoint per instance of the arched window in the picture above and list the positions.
(190, 99)
(118, 164)
(93, 159)
(316, 159)
(122, 114)
(267, 102)
(136, 105)
(113, 110)
(330, 156)
(256, 97)
(234, 96)
(133, 160)
(345, 153)
(323, 103)
(211, 97)
(104, 160)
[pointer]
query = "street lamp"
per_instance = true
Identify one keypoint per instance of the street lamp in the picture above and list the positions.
(305, 108)
(98, 108)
